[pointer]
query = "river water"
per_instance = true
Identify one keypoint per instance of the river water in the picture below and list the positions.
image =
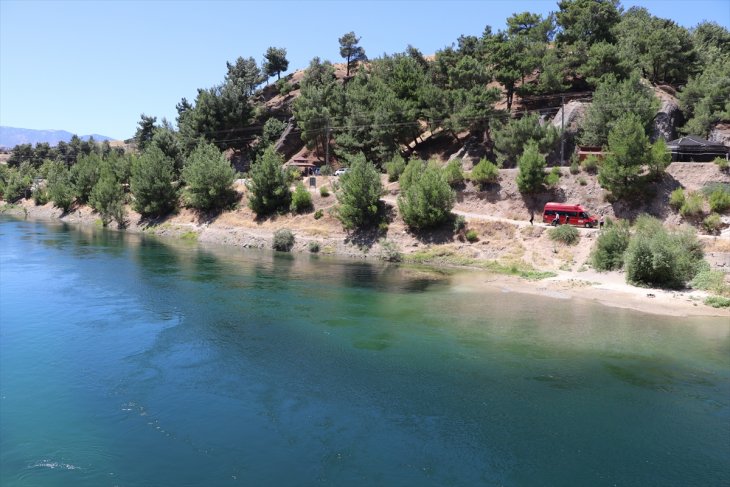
(128, 360)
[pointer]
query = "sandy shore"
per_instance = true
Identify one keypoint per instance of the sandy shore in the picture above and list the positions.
(609, 289)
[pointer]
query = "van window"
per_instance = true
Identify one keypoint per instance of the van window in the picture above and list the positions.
(549, 212)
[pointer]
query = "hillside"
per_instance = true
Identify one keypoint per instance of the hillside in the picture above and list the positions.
(12, 136)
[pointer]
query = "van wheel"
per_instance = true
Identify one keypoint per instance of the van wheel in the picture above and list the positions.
(588, 225)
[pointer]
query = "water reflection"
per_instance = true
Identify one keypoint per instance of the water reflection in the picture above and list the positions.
(284, 369)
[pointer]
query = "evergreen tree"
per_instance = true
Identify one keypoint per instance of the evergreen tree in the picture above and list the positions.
(275, 62)
(614, 99)
(663, 50)
(628, 152)
(107, 197)
(428, 201)
(269, 191)
(705, 99)
(60, 188)
(208, 178)
(145, 131)
(84, 175)
(319, 102)
(359, 194)
(511, 138)
(151, 183)
(588, 21)
(531, 176)
(351, 51)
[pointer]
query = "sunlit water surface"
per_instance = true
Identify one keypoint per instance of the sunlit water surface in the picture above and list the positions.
(126, 360)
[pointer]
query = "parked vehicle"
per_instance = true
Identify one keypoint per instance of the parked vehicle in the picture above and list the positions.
(341, 171)
(563, 214)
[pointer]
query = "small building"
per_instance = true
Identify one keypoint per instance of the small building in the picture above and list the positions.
(584, 151)
(305, 167)
(692, 148)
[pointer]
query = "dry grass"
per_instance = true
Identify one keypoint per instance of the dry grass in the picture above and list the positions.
(717, 244)
(494, 230)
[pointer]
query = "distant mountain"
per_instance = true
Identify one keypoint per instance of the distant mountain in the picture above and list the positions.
(12, 136)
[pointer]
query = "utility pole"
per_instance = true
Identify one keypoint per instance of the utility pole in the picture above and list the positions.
(562, 130)
(327, 144)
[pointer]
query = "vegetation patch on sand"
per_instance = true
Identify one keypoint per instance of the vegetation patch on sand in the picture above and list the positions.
(449, 257)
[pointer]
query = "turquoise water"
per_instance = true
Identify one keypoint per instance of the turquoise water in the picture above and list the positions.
(126, 360)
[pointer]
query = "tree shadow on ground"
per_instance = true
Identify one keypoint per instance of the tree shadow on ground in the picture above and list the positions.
(441, 234)
(651, 198)
(364, 238)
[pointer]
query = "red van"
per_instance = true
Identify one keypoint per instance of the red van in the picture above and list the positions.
(562, 214)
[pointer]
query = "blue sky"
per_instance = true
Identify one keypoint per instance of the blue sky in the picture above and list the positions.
(95, 66)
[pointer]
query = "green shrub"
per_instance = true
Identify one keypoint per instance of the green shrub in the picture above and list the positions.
(676, 199)
(564, 234)
(717, 302)
(582, 181)
(389, 251)
(326, 170)
(692, 206)
(712, 224)
(722, 163)
(553, 178)
(318, 214)
(590, 164)
(324, 191)
(17, 185)
(453, 173)
(313, 247)
(656, 257)
(574, 168)
(719, 200)
(283, 86)
(459, 223)
(301, 199)
(40, 196)
(485, 172)
(395, 167)
(283, 240)
(291, 175)
(608, 254)
(472, 236)
(709, 280)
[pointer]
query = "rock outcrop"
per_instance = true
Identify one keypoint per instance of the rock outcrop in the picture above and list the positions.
(720, 133)
(667, 119)
(575, 114)
(290, 141)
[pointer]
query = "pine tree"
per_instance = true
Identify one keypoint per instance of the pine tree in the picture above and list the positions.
(151, 183)
(359, 194)
(269, 191)
(208, 178)
(531, 176)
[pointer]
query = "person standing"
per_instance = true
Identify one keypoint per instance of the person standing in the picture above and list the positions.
(532, 217)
